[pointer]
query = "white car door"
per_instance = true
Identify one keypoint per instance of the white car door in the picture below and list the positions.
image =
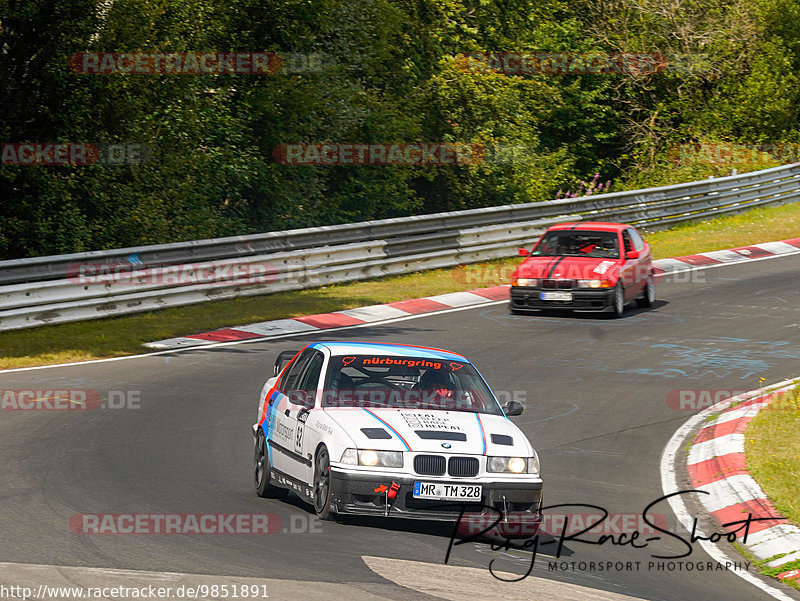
(282, 431)
(289, 455)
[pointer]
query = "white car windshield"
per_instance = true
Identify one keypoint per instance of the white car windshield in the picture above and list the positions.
(577, 243)
(406, 383)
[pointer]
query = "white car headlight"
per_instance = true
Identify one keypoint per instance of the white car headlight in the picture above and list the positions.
(525, 282)
(372, 458)
(513, 465)
(516, 465)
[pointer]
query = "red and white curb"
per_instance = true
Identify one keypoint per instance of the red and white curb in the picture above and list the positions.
(721, 257)
(716, 465)
(431, 304)
(338, 319)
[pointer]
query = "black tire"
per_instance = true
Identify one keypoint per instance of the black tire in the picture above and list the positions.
(264, 488)
(618, 301)
(649, 295)
(322, 485)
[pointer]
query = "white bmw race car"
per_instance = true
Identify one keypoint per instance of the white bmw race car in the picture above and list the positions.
(391, 430)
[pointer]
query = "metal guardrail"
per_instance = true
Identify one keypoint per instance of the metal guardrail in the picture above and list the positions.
(62, 288)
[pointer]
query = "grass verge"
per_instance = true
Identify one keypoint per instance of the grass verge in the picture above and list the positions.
(763, 568)
(773, 572)
(772, 450)
(114, 337)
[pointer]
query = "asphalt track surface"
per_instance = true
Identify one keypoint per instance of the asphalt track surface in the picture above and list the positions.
(595, 390)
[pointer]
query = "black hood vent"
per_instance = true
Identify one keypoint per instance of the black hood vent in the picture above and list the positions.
(441, 435)
(376, 433)
(502, 439)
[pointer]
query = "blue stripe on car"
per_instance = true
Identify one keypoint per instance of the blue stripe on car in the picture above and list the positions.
(388, 426)
(271, 411)
(483, 434)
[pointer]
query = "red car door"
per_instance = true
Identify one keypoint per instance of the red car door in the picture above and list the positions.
(630, 272)
(644, 270)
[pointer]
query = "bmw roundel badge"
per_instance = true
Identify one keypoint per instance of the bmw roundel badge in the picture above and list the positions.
(445, 445)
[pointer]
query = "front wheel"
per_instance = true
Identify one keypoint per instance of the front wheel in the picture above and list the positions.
(649, 295)
(262, 477)
(619, 300)
(322, 485)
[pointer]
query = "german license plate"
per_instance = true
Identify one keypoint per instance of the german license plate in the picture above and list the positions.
(447, 492)
(556, 296)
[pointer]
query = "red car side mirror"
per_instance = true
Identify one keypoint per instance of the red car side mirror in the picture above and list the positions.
(522, 252)
(632, 254)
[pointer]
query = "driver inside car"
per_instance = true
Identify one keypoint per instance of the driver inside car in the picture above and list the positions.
(437, 388)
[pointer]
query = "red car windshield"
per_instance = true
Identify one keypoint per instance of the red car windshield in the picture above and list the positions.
(406, 383)
(577, 243)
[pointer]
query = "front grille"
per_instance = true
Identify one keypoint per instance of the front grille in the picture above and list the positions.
(463, 467)
(558, 284)
(429, 465)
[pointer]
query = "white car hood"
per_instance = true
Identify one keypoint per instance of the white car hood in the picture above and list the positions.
(438, 428)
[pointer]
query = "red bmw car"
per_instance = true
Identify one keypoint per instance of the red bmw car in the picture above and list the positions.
(590, 266)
